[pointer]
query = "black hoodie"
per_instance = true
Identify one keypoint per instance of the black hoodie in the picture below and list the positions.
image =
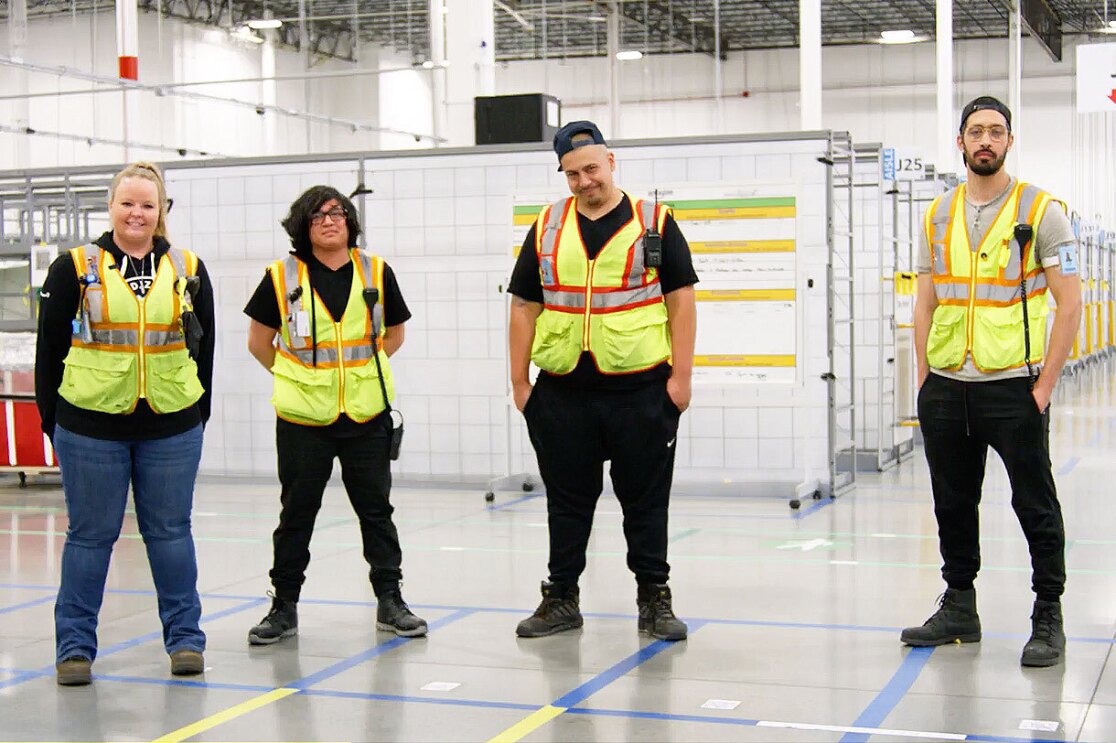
(58, 306)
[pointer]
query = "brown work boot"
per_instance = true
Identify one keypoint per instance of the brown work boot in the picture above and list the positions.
(187, 663)
(75, 671)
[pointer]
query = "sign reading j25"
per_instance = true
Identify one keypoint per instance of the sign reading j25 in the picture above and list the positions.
(903, 165)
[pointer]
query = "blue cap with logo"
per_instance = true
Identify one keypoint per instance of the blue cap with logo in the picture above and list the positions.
(563, 139)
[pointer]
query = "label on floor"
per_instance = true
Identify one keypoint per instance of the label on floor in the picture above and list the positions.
(721, 704)
(441, 686)
(1046, 726)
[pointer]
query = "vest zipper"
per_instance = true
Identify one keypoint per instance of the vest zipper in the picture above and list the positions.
(972, 305)
(588, 305)
(340, 368)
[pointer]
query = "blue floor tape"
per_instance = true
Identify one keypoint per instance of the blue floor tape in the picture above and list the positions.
(890, 696)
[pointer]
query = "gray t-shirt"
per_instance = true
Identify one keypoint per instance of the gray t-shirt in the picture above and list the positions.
(1052, 232)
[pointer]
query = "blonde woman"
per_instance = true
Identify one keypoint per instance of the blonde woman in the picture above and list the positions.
(122, 377)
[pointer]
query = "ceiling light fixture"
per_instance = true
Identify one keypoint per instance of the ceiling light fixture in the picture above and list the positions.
(905, 36)
(259, 24)
(243, 33)
(629, 55)
(597, 19)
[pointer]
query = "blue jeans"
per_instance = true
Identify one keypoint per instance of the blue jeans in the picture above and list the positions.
(96, 474)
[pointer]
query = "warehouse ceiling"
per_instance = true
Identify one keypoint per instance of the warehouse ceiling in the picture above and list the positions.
(537, 29)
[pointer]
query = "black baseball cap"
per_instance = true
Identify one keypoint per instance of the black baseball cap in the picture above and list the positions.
(563, 139)
(985, 103)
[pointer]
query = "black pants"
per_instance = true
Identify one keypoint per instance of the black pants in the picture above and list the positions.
(574, 432)
(306, 455)
(959, 421)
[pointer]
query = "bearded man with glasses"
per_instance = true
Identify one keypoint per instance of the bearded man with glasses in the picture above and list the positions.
(991, 250)
(325, 319)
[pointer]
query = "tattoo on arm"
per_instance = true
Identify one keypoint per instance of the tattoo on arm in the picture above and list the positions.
(519, 301)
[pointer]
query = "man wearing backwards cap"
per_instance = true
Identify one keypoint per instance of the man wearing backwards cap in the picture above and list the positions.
(986, 376)
(609, 319)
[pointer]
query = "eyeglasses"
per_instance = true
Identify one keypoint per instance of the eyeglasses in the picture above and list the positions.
(336, 214)
(995, 133)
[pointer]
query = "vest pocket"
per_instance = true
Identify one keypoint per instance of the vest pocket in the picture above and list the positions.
(305, 395)
(945, 345)
(557, 344)
(998, 335)
(104, 381)
(363, 397)
(172, 381)
(633, 340)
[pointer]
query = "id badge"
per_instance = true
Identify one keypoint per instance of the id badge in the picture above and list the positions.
(1067, 259)
(546, 268)
(302, 323)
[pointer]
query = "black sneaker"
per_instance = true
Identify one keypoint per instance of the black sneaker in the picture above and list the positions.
(558, 612)
(656, 615)
(955, 620)
(74, 671)
(393, 615)
(280, 622)
(1048, 638)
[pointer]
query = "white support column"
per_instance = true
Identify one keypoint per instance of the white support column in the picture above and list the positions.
(127, 54)
(304, 52)
(809, 64)
(470, 29)
(612, 48)
(1015, 75)
(947, 132)
(21, 108)
(438, 73)
(268, 94)
(719, 123)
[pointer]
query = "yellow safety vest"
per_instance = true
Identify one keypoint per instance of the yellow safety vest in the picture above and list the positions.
(125, 347)
(611, 306)
(979, 308)
(345, 379)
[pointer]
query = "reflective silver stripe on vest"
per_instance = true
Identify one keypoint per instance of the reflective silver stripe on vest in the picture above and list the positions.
(116, 337)
(939, 224)
(1027, 198)
(288, 308)
(162, 337)
(326, 355)
(945, 290)
(571, 299)
(635, 276)
(1009, 294)
(548, 244)
(178, 260)
(612, 300)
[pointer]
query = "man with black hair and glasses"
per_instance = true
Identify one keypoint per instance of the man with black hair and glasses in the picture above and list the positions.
(312, 327)
(991, 250)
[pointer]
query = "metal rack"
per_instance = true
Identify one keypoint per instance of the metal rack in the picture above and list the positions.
(841, 314)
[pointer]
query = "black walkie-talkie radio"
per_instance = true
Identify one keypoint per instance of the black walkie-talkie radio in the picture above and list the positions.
(653, 241)
(371, 298)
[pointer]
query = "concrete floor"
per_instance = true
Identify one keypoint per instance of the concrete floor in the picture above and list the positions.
(794, 621)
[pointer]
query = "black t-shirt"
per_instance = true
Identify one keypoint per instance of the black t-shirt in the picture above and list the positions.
(676, 272)
(333, 287)
(58, 304)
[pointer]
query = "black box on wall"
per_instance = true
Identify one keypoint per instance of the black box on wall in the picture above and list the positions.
(505, 119)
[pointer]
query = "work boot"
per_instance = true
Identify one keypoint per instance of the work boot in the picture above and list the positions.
(393, 615)
(955, 620)
(280, 622)
(656, 617)
(1048, 638)
(186, 663)
(74, 671)
(558, 612)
